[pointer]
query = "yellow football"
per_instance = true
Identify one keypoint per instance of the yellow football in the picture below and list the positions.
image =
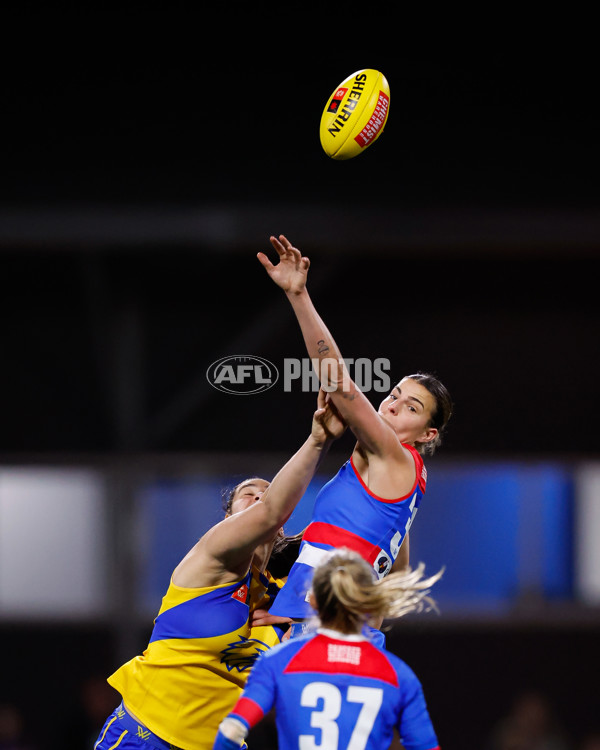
(355, 114)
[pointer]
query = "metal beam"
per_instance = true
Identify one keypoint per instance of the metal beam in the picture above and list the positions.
(378, 228)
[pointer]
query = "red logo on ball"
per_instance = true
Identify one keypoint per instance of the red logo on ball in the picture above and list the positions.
(334, 104)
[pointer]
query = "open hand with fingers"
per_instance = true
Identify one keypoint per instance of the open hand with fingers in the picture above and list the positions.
(327, 422)
(291, 271)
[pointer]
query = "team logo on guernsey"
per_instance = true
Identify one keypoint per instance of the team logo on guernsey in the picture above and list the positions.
(241, 594)
(382, 564)
(242, 654)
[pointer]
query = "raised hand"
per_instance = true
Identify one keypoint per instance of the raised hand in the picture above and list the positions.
(327, 422)
(292, 269)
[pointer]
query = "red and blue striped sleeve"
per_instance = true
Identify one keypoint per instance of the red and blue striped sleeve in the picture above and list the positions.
(259, 695)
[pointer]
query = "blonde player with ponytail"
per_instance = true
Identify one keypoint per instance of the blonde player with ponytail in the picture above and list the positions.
(334, 688)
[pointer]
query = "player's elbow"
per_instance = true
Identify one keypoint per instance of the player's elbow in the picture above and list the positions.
(271, 518)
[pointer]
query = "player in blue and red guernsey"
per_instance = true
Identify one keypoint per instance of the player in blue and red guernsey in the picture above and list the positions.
(371, 502)
(333, 688)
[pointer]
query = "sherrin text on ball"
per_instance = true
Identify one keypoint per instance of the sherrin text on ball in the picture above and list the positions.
(355, 114)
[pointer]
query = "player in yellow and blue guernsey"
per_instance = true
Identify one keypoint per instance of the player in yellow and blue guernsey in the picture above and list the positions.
(203, 647)
(371, 503)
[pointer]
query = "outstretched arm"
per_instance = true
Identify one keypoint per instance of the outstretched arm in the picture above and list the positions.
(290, 274)
(224, 553)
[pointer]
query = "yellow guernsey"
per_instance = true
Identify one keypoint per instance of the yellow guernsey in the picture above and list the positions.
(198, 659)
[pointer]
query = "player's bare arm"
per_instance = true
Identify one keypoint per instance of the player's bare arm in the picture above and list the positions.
(290, 274)
(225, 552)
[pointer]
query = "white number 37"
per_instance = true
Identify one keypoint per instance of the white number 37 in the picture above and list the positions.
(325, 718)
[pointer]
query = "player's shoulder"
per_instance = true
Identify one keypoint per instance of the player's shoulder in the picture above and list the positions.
(406, 675)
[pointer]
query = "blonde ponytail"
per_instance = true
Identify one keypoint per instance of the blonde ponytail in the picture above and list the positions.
(346, 593)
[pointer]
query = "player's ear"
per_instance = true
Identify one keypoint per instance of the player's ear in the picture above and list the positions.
(311, 600)
(428, 435)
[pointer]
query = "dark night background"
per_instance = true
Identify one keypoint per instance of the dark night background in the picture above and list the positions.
(144, 165)
(140, 177)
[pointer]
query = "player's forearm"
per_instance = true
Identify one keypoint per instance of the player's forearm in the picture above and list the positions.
(354, 407)
(320, 344)
(291, 482)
